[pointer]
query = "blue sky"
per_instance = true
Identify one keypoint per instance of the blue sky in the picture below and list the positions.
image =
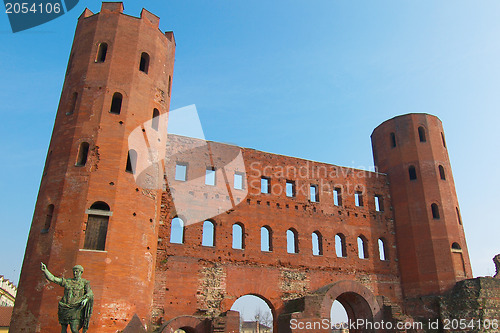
(310, 79)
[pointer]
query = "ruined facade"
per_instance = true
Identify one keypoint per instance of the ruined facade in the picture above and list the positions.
(299, 234)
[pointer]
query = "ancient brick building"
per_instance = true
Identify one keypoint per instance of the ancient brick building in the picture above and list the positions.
(299, 234)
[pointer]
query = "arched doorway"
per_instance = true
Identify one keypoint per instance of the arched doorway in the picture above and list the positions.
(254, 310)
(185, 324)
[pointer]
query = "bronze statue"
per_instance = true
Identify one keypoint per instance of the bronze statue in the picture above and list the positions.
(496, 260)
(75, 308)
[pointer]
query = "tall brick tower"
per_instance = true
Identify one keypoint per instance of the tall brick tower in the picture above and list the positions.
(90, 211)
(432, 252)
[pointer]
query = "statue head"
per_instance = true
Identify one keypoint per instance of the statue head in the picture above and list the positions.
(496, 260)
(77, 271)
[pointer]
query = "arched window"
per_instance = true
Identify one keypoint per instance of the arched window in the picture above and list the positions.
(208, 237)
(101, 52)
(412, 172)
(177, 231)
(292, 241)
(362, 247)
(435, 211)
(340, 247)
(266, 239)
(421, 134)
(238, 236)
(48, 218)
(382, 250)
(155, 121)
(169, 84)
(441, 172)
(455, 247)
(144, 63)
(393, 140)
(83, 152)
(317, 243)
(459, 218)
(72, 106)
(131, 161)
(97, 226)
(116, 103)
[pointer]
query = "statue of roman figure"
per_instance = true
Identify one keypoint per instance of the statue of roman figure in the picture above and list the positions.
(75, 307)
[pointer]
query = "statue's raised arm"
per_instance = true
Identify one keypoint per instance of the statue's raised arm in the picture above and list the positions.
(49, 275)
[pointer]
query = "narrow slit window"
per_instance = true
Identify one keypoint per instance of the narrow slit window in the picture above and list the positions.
(421, 134)
(340, 246)
(131, 161)
(412, 172)
(382, 250)
(155, 120)
(144, 63)
(313, 193)
(181, 172)
(362, 247)
(238, 236)
(102, 50)
(441, 172)
(266, 239)
(317, 243)
(358, 199)
(238, 181)
(210, 176)
(459, 218)
(48, 218)
(116, 103)
(337, 196)
(393, 140)
(83, 153)
(290, 188)
(169, 84)
(442, 138)
(435, 211)
(208, 236)
(177, 231)
(265, 185)
(379, 203)
(72, 106)
(292, 243)
(97, 227)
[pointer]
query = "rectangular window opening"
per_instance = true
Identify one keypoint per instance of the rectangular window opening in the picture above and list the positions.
(238, 181)
(379, 203)
(314, 194)
(358, 198)
(210, 176)
(337, 196)
(290, 188)
(265, 185)
(181, 172)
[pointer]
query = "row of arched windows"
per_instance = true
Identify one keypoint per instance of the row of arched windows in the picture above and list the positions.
(412, 172)
(266, 238)
(102, 51)
(422, 137)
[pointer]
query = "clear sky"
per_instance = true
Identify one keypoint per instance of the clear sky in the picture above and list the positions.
(303, 78)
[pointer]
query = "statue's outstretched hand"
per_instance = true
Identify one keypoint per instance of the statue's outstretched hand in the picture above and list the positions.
(84, 301)
(43, 267)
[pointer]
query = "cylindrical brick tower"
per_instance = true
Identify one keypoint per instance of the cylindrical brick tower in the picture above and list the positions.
(90, 210)
(432, 253)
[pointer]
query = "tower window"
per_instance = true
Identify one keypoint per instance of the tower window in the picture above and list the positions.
(435, 211)
(379, 203)
(83, 152)
(144, 63)
(101, 52)
(72, 105)
(97, 227)
(155, 120)
(292, 241)
(455, 247)
(337, 196)
(412, 172)
(421, 134)
(442, 138)
(116, 103)
(441, 172)
(459, 218)
(358, 198)
(48, 218)
(393, 140)
(169, 85)
(131, 161)
(290, 188)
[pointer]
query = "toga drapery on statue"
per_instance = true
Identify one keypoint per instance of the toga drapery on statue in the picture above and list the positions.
(75, 308)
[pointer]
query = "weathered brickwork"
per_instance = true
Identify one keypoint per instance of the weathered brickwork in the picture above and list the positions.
(176, 242)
